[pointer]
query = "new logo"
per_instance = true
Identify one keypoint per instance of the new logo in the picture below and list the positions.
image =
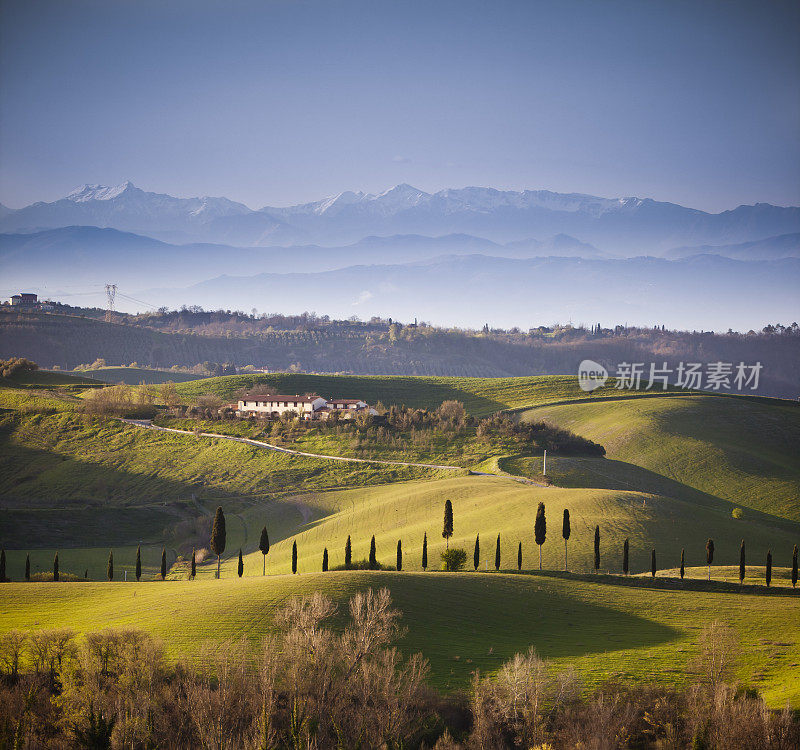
(591, 375)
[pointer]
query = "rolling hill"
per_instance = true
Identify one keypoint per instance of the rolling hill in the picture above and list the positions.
(600, 629)
(699, 448)
(119, 486)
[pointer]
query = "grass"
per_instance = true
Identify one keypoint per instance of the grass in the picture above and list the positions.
(492, 505)
(460, 622)
(480, 396)
(676, 468)
(456, 447)
(740, 451)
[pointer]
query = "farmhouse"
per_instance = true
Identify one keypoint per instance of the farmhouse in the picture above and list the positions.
(306, 407)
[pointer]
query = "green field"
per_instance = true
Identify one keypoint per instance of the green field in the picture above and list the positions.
(480, 396)
(676, 467)
(460, 622)
(692, 447)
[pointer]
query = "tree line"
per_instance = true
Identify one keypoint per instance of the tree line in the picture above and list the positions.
(452, 559)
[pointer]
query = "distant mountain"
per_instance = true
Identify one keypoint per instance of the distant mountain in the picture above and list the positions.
(127, 208)
(704, 292)
(770, 248)
(76, 258)
(617, 226)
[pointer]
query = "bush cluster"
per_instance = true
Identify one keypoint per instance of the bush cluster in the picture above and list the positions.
(10, 367)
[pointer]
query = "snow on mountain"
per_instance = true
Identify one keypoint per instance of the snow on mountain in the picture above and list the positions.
(631, 226)
(98, 192)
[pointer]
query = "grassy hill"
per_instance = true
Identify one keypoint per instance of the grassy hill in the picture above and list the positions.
(480, 396)
(696, 448)
(492, 505)
(460, 622)
(677, 466)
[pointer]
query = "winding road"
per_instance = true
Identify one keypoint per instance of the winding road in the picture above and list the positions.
(147, 424)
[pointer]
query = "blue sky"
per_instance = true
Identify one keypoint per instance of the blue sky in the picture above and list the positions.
(273, 103)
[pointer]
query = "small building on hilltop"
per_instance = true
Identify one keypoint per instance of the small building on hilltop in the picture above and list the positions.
(305, 407)
(24, 299)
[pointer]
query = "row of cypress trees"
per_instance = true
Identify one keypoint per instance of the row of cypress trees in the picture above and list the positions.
(109, 566)
(219, 537)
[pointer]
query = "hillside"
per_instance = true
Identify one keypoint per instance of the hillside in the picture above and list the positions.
(81, 484)
(492, 505)
(309, 343)
(480, 396)
(693, 448)
(599, 628)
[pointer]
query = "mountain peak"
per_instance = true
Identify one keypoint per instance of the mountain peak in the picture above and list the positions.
(98, 192)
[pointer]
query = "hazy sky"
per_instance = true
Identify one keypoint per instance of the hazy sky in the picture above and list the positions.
(273, 103)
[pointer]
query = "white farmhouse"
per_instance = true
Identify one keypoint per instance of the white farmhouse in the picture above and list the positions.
(274, 405)
(305, 407)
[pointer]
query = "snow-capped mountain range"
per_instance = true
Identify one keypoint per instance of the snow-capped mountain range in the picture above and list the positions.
(615, 225)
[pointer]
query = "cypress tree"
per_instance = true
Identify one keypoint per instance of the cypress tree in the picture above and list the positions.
(373, 558)
(425, 551)
(240, 568)
(683, 567)
(596, 548)
(540, 530)
(497, 554)
(653, 563)
(325, 560)
(28, 567)
(519, 557)
(741, 563)
(348, 554)
(263, 545)
(55, 567)
(110, 567)
(768, 572)
(709, 555)
(625, 554)
(447, 528)
(218, 536)
(163, 563)
(794, 566)
(565, 532)
(3, 565)
(294, 557)
(193, 571)
(476, 555)
(139, 563)
(399, 554)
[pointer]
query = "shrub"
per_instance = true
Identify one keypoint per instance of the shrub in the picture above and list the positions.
(10, 367)
(454, 559)
(360, 565)
(737, 513)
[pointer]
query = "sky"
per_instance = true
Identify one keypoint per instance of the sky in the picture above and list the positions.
(286, 101)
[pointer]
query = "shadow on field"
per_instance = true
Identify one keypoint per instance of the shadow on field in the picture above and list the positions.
(665, 584)
(611, 474)
(463, 622)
